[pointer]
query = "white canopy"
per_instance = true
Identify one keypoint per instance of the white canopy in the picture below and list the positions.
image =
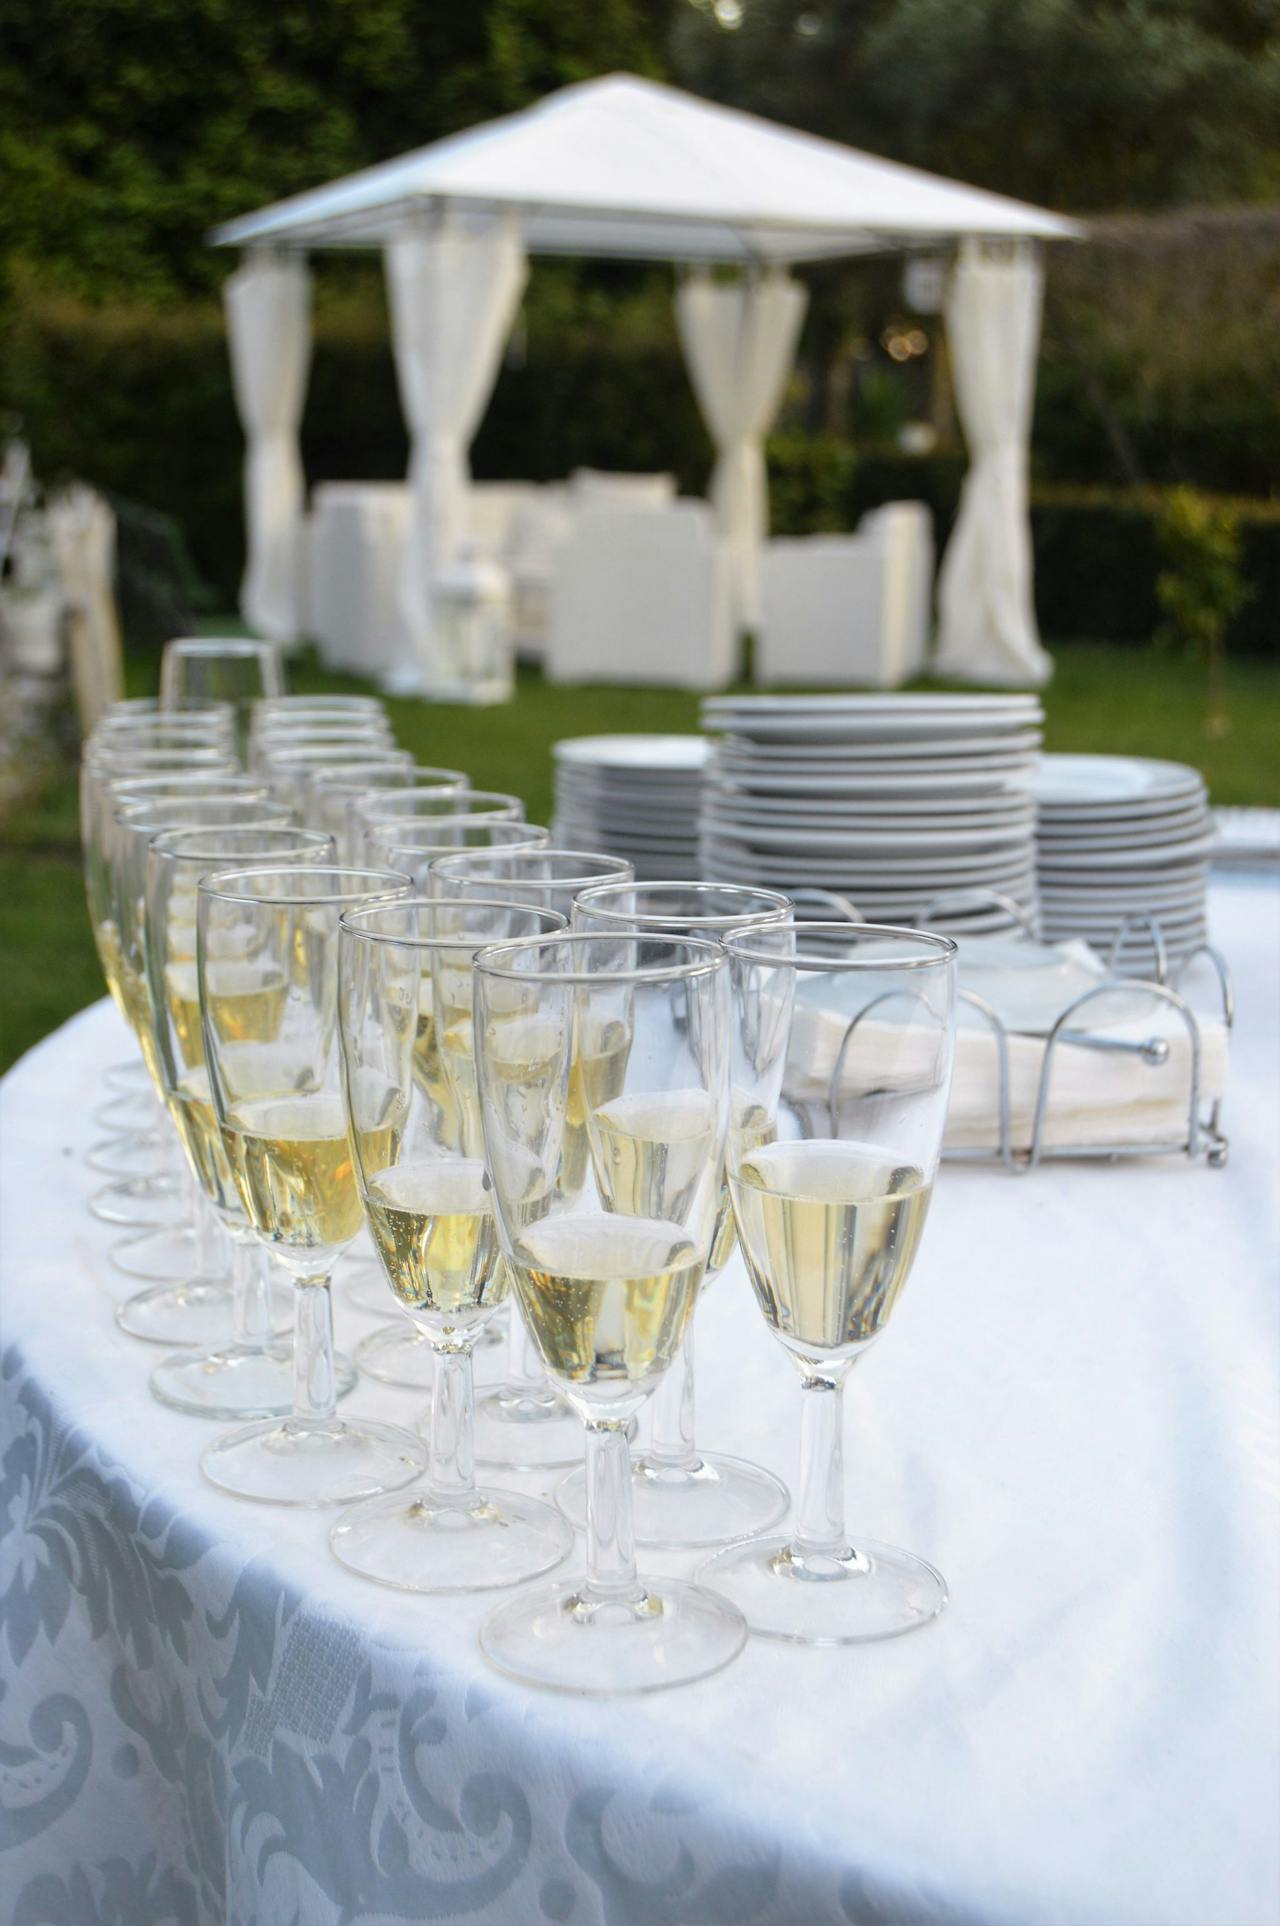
(629, 169)
(670, 177)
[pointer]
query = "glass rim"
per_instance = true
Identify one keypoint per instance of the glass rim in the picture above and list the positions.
(433, 788)
(709, 957)
(375, 831)
(619, 863)
(165, 845)
(386, 882)
(934, 951)
(241, 785)
(437, 778)
(130, 812)
(654, 923)
(217, 645)
(349, 919)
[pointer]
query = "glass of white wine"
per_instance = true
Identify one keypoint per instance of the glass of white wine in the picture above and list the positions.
(686, 1498)
(422, 802)
(522, 1424)
(328, 795)
(620, 1041)
(427, 1199)
(250, 1374)
(843, 1038)
(278, 1104)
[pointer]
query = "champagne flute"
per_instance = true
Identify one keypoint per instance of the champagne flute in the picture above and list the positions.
(197, 1310)
(632, 1031)
(432, 1221)
(843, 1039)
(329, 793)
(252, 1375)
(685, 1498)
(399, 1353)
(233, 669)
(421, 802)
(286, 770)
(278, 1106)
(522, 1424)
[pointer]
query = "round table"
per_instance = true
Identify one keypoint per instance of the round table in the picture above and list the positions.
(1075, 1416)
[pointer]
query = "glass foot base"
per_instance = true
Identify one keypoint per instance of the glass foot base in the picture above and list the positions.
(129, 1077)
(425, 1541)
(242, 1381)
(715, 1501)
(526, 1431)
(365, 1288)
(313, 1461)
(874, 1592)
(557, 1636)
(197, 1312)
(123, 1116)
(400, 1354)
(144, 1156)
(140, 1204)
(159, 1256)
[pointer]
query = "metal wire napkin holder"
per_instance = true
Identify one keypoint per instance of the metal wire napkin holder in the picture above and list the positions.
(1204, 1136)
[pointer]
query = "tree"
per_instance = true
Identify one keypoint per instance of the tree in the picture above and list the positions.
(1078, 104)
(129, 127)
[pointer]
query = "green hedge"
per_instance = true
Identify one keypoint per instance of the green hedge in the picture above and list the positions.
(139, 403)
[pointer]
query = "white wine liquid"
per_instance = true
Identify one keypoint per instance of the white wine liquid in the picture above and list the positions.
(433, 1225)
(246, 1004)
(829, 1230)
(107, 938)
(654, 1154)
(428, 1070)
(751, 1126)
(294, 1169)
(191, 1108)
(606, 1299)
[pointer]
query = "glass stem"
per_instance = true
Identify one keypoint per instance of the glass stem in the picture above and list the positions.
(314, 1391)
(671, 1436)
(211, 1242)
(611, 1538)
(250, 1292)
(819, 1507)
(451, 1466)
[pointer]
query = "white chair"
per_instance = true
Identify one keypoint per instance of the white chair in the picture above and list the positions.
(850, 609)
(642, 595)
(355, 539)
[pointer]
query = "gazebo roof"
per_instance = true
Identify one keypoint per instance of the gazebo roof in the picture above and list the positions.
(626, 168)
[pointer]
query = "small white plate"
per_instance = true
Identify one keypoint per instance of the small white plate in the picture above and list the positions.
(1065, 781)
(904, 841)
(656, 753)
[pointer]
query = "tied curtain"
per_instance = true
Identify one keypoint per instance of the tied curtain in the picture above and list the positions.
(739, 341)
(986, 615)
(454, 294)
(268, 303)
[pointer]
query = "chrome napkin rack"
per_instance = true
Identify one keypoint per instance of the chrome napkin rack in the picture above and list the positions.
(1203, 1139)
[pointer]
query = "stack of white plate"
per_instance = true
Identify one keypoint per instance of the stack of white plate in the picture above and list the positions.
(1123, 837)
(632, 796)
(891, 801)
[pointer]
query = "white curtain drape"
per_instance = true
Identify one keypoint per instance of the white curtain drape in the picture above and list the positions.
(739, 341)
(268, 309)
(986, 615)
(454, 293)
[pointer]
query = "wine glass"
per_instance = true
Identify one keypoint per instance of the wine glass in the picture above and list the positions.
(197, 1309)
(399, 1353)
(421, 802)
(232, 669)
(843, 1042)
(426, 1196)
(329, 793)
(286, 770)
(522, 1424)
(252, 1375)
(616, 1045)
(683, 1497)
(278, 1106)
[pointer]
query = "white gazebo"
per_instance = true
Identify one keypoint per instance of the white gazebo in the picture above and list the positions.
(625, 168)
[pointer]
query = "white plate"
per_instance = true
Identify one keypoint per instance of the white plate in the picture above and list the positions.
(856, 729)
(656, 753)
(905, 841)
(915, 806)
(1065, 781)
(998, 774)
(838, 872)
(1128, 859)
(735, 751)
(1195, 822)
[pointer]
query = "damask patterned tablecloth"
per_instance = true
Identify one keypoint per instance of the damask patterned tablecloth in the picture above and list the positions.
(1077, 1415)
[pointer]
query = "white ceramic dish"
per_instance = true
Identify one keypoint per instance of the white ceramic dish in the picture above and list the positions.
(1065, 782)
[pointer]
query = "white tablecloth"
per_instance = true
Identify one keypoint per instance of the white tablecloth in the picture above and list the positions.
(1075, 1415)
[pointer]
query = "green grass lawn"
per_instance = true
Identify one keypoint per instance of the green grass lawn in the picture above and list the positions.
(1102, 699)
